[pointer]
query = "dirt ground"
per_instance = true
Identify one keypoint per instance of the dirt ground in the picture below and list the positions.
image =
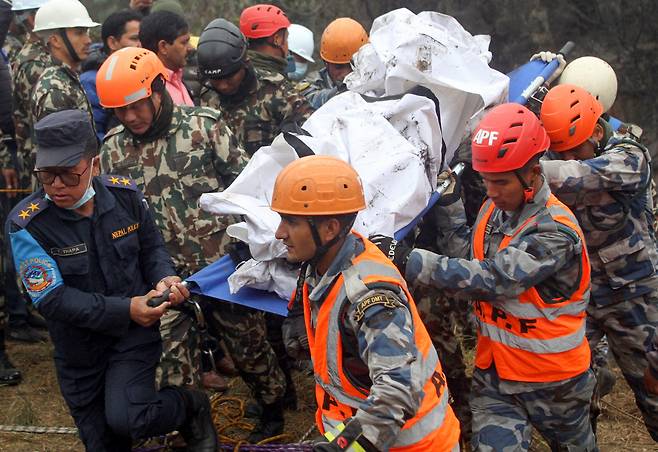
(37, 402)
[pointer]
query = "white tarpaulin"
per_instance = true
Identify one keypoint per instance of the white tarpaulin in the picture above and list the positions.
(434, 51)
(393, 144)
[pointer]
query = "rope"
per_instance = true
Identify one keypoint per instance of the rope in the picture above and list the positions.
(37, 429)
(627, 414)
(228, 417)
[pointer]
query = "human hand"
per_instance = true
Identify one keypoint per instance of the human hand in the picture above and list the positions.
(144, 315)
(177, 291)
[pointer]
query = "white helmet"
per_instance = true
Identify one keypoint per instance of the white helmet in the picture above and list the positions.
(594, 75)
(300, 41)
(62, 14)
(23, 5)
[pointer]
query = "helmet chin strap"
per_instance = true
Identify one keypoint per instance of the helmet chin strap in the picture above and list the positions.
(528, 191)
(69, 47)
(320, 248)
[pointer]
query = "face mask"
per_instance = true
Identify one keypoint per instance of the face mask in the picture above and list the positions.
(291, 63)
(300, 71)
(87, 195)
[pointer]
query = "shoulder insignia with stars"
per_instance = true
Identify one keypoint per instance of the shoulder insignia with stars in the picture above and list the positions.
(113, 181)
(28, 209)
(376, 299)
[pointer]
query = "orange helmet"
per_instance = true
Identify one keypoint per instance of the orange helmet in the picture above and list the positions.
(126, 76)
(569, 114)
(341, 39)
(261, 21)
(507, 138)
(318, 185)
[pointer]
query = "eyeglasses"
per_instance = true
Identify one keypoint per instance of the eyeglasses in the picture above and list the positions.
(69, 179)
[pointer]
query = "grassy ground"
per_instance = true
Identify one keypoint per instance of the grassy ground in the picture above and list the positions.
(37, 402)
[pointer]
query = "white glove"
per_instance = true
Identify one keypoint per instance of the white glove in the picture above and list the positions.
(547, 57)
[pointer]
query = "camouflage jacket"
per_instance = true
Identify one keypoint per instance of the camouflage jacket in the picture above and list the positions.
(378, 348)
(609, 196)
(58, 88)
(319, 90)
(270, 106)
(27, 67)
(197, 155)
(546, 258)
(13, 45)
(268, 63)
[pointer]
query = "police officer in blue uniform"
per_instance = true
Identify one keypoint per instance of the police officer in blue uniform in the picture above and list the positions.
(90, 257)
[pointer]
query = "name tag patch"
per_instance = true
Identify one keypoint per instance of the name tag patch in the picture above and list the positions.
(69, 250)
(373, 301)
(125, 231)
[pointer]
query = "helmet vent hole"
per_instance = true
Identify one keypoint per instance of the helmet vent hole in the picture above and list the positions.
(516, 124)
(304, 188)
(572, 130)
(502, 152)
(345, 186)
(305, 206)
(574, 103)
(133, 66)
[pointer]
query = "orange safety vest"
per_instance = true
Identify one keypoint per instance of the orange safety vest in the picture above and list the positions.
(434, 426)
(528, 339)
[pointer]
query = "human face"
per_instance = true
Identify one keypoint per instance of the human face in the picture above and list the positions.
(504, 189)
(584, 151)
(64, 196)
(138, 116)
(338, 72)
(129, 37)
(174, 55)
(80, 41)
(141, 5)
(229, 85)
(295, 233)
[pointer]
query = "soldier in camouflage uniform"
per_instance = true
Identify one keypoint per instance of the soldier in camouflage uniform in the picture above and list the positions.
(340, 41)
(605, 179)
(379, 382)
(266, 29)
(256, 104)
(175, 154)
(63, 26)
(530, 274)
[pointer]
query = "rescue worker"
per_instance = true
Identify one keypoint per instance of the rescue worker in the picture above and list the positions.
(340, 41)
(605, 179)
(89, 253)
(256, 104)
(27, 67)
(529, 271)
(167, 35)
(379, 383)
(176, 153)
(300, 46)
(63, 25)
(266, 28)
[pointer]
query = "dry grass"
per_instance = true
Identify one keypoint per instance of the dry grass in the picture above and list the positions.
(37, 401)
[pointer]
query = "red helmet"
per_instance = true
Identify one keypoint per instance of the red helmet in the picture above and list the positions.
(569, 114)
(261, 21)
(507, 138)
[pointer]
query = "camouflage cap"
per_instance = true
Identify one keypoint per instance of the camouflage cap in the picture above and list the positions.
(63, 138)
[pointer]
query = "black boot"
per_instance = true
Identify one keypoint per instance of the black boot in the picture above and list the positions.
(270, 423)
(198, 428)
(9, 375)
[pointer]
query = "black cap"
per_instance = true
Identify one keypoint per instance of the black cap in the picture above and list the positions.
(63, 137)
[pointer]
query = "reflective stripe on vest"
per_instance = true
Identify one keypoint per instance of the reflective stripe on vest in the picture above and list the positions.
(554, 332)
(338, 399)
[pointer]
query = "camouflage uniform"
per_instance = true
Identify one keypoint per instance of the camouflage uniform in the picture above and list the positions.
(652, 357)
(12, 46)
(377, 346)
(269, 105)
(264, 62)
(197, 155)
(535, 259)
(609, 196)
(27, 67)
(319, 90)
(58, 88)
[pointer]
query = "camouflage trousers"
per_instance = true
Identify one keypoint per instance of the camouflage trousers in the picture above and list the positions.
(180, 362)
(629, 326)
(244, 332)
(443, 317)
(504, 413)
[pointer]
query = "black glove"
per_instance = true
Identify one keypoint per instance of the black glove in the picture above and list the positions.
(394, 250)
(239, 251)
(350, 434)
(293, 330)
